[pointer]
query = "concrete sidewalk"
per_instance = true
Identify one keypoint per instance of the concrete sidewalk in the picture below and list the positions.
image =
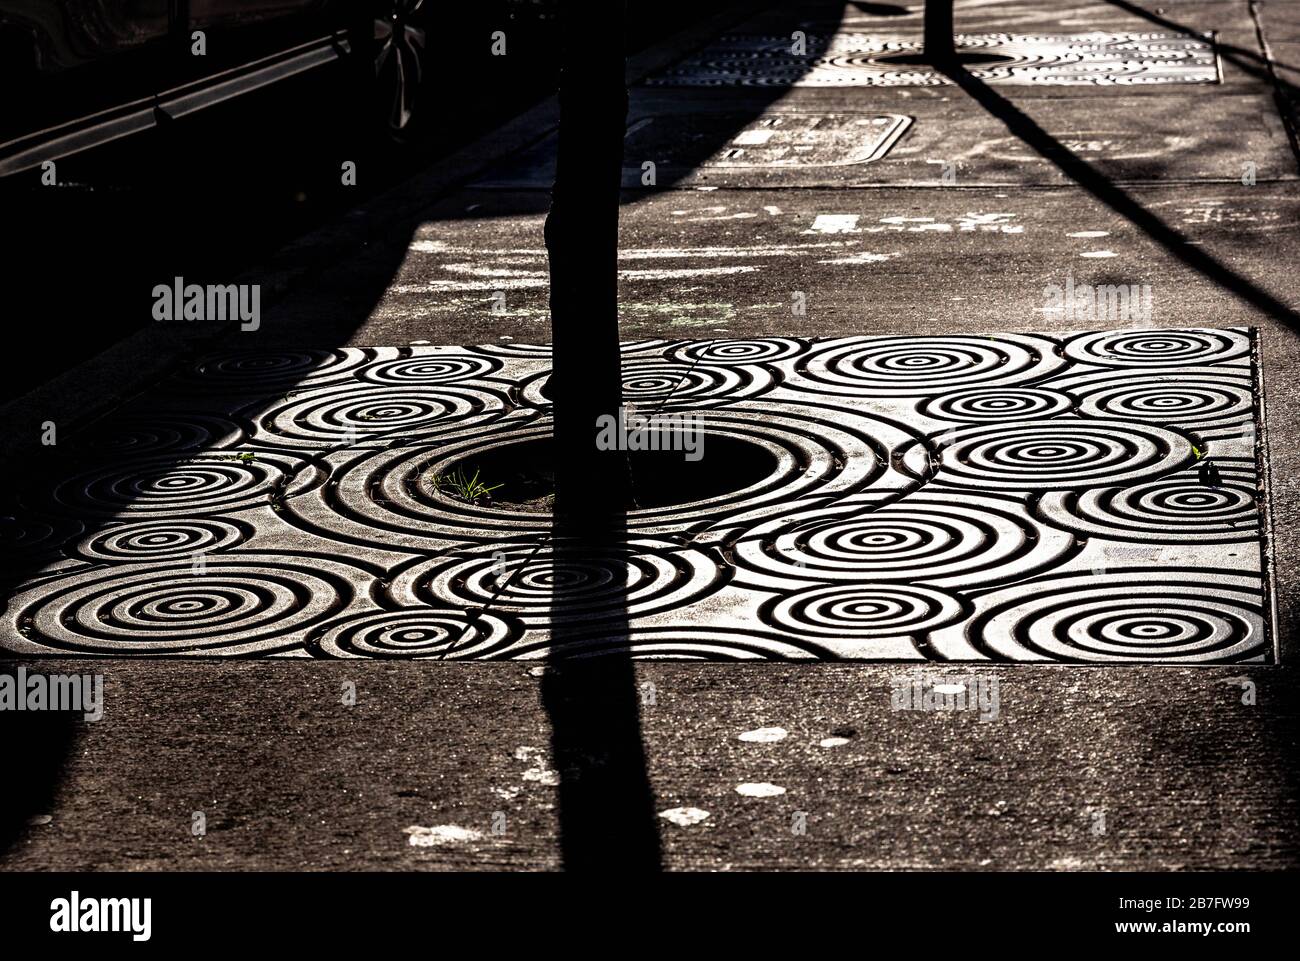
(948, 221)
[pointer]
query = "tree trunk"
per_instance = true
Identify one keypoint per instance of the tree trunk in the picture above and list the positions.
(939, 45)
(582, 243)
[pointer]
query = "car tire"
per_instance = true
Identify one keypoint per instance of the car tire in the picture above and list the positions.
(391, 42)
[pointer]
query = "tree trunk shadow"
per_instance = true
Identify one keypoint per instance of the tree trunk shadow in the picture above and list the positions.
(606, 805)
(589, 691)
(37, 746)
(1104, 190)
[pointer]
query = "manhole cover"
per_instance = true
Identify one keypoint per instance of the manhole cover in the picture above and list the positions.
(775, 140)
(867, 60)
(1090, 497)
(681, 144)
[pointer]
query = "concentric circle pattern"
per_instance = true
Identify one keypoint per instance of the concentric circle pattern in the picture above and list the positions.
(865, 611)
(225, 606)
(1085, 497)
(652, 386)
(720, 353)
(151, 432)
(258, 372)
(921, 367)
(1174, 508)
(549, 586)
(423, 633)
(1209, 402)
(1060, 455)
(674, 386)
(347, 416)
(921, 539)
(429, 369)
(998, 404)
(387, 499)
(1124, 618)
(202, 485)
(156, 540)
(1158, 348)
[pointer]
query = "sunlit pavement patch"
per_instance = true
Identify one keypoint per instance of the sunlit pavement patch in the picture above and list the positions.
(799, 143)
(1089, 497)
(870, 60)
(685, 145)
(786, 140)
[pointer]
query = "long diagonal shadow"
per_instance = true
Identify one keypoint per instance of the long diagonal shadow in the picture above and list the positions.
(1245, 59)
(1104, 190)
(606, 803)
(606, 806)
(1287, 94)
(607, 810)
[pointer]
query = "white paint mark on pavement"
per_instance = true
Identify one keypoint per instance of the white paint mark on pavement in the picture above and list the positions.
(536, 258)
(440, 834)
(1089, 234)
(759, 789)
(861, 257)
(997, 222)
(474, 270)
(463, 286)
(684, 816)
(833, 742)
(679, 272)
(1067, 864)
(915, 225)
(834, 224)
(540, 770)
(770, 250)
(1098, 254)
(764, 735)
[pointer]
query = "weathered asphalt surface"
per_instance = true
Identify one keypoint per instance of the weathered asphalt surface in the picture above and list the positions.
(290, 778)
(1188, 776)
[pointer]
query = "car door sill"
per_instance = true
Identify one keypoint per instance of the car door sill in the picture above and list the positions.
(94, 130)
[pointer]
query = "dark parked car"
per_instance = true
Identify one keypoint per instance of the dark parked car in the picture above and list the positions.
(80, 73)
